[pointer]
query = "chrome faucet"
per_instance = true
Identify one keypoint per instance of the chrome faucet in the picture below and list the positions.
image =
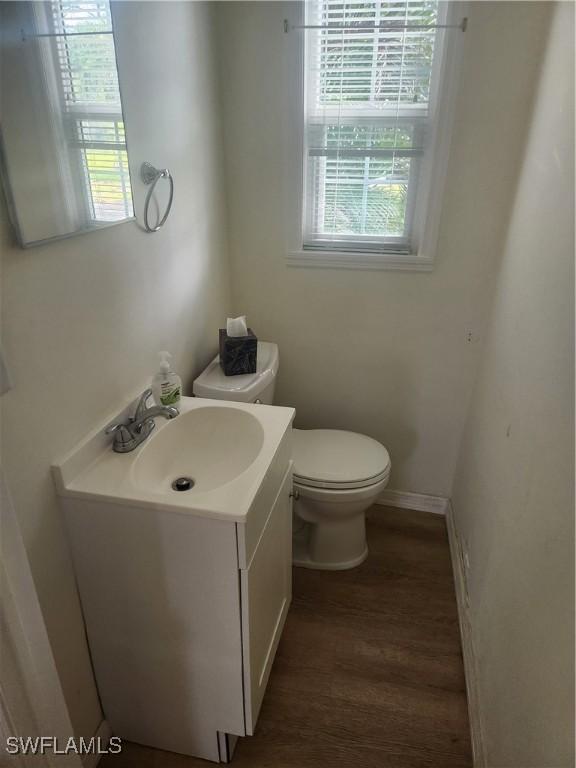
(129, 436)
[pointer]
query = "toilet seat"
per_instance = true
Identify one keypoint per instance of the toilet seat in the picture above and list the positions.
(338, 460)
(338, 496)
(307, 482)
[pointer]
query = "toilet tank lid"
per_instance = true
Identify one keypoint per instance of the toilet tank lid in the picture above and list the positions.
(247, 386)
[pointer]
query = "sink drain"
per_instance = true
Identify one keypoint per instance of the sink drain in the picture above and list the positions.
(183, 484)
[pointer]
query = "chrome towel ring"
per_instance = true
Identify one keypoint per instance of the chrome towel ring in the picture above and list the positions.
(150, 175)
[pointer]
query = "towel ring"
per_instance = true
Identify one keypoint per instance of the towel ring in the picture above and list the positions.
(150, 175)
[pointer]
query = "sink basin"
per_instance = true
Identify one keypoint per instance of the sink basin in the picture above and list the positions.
(212, 446)
(228, 449)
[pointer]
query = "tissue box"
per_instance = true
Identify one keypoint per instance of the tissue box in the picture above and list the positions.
(238, 353)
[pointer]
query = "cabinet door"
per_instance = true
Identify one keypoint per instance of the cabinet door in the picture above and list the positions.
(266, 593)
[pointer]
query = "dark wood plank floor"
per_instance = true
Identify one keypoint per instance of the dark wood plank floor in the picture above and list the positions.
(369, 670)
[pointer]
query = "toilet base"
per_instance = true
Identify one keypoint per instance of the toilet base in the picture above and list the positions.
(301, 554)
(305, 562)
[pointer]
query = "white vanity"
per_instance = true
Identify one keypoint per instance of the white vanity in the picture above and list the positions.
(185, 593)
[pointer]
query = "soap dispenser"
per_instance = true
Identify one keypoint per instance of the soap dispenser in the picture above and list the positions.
(166, 385)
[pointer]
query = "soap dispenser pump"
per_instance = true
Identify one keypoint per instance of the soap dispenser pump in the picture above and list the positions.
(166, 385)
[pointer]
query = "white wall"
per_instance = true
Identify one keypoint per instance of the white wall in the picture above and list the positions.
(513, 497)
(82, 319)
(384, 353)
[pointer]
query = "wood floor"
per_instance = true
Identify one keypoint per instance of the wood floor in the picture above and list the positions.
(369, 670)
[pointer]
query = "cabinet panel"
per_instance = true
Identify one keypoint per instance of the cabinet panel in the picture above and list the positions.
(161, 602)
(266, 591)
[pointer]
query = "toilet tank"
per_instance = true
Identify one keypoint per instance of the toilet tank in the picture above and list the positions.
(245, 388)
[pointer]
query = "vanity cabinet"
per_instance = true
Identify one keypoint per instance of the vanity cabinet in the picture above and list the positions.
(184, 612)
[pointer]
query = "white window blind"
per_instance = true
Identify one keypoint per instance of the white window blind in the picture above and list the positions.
(369, 103)
(92, 111)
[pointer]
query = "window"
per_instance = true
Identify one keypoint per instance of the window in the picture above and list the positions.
(90, 105)
(373, 103)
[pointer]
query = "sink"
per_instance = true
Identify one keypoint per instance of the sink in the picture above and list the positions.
(212, 446)
(229, 450)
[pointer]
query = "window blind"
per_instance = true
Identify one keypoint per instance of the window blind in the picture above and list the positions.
(86, 64)
(368, 106)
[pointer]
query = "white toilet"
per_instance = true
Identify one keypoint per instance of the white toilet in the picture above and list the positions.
(337, 475)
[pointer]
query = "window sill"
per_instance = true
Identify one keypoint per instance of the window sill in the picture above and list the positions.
(359, 260)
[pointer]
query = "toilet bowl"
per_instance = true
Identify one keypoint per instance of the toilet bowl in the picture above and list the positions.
(338, 475)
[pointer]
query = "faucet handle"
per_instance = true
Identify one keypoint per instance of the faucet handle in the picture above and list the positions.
(141, 407)
(122, 434)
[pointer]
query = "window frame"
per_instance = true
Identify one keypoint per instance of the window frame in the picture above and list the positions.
(431, 170)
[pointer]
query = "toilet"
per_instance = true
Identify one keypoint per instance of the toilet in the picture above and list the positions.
(338, 475)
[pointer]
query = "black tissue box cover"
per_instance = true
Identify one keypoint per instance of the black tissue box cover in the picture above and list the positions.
(238, 353)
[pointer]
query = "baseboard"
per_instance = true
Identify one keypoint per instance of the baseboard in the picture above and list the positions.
(468, 652)
(102, 737)
(420, 502)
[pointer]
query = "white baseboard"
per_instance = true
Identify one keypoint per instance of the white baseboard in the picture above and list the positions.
(418, 501)
(468, 652)
(102, 736)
